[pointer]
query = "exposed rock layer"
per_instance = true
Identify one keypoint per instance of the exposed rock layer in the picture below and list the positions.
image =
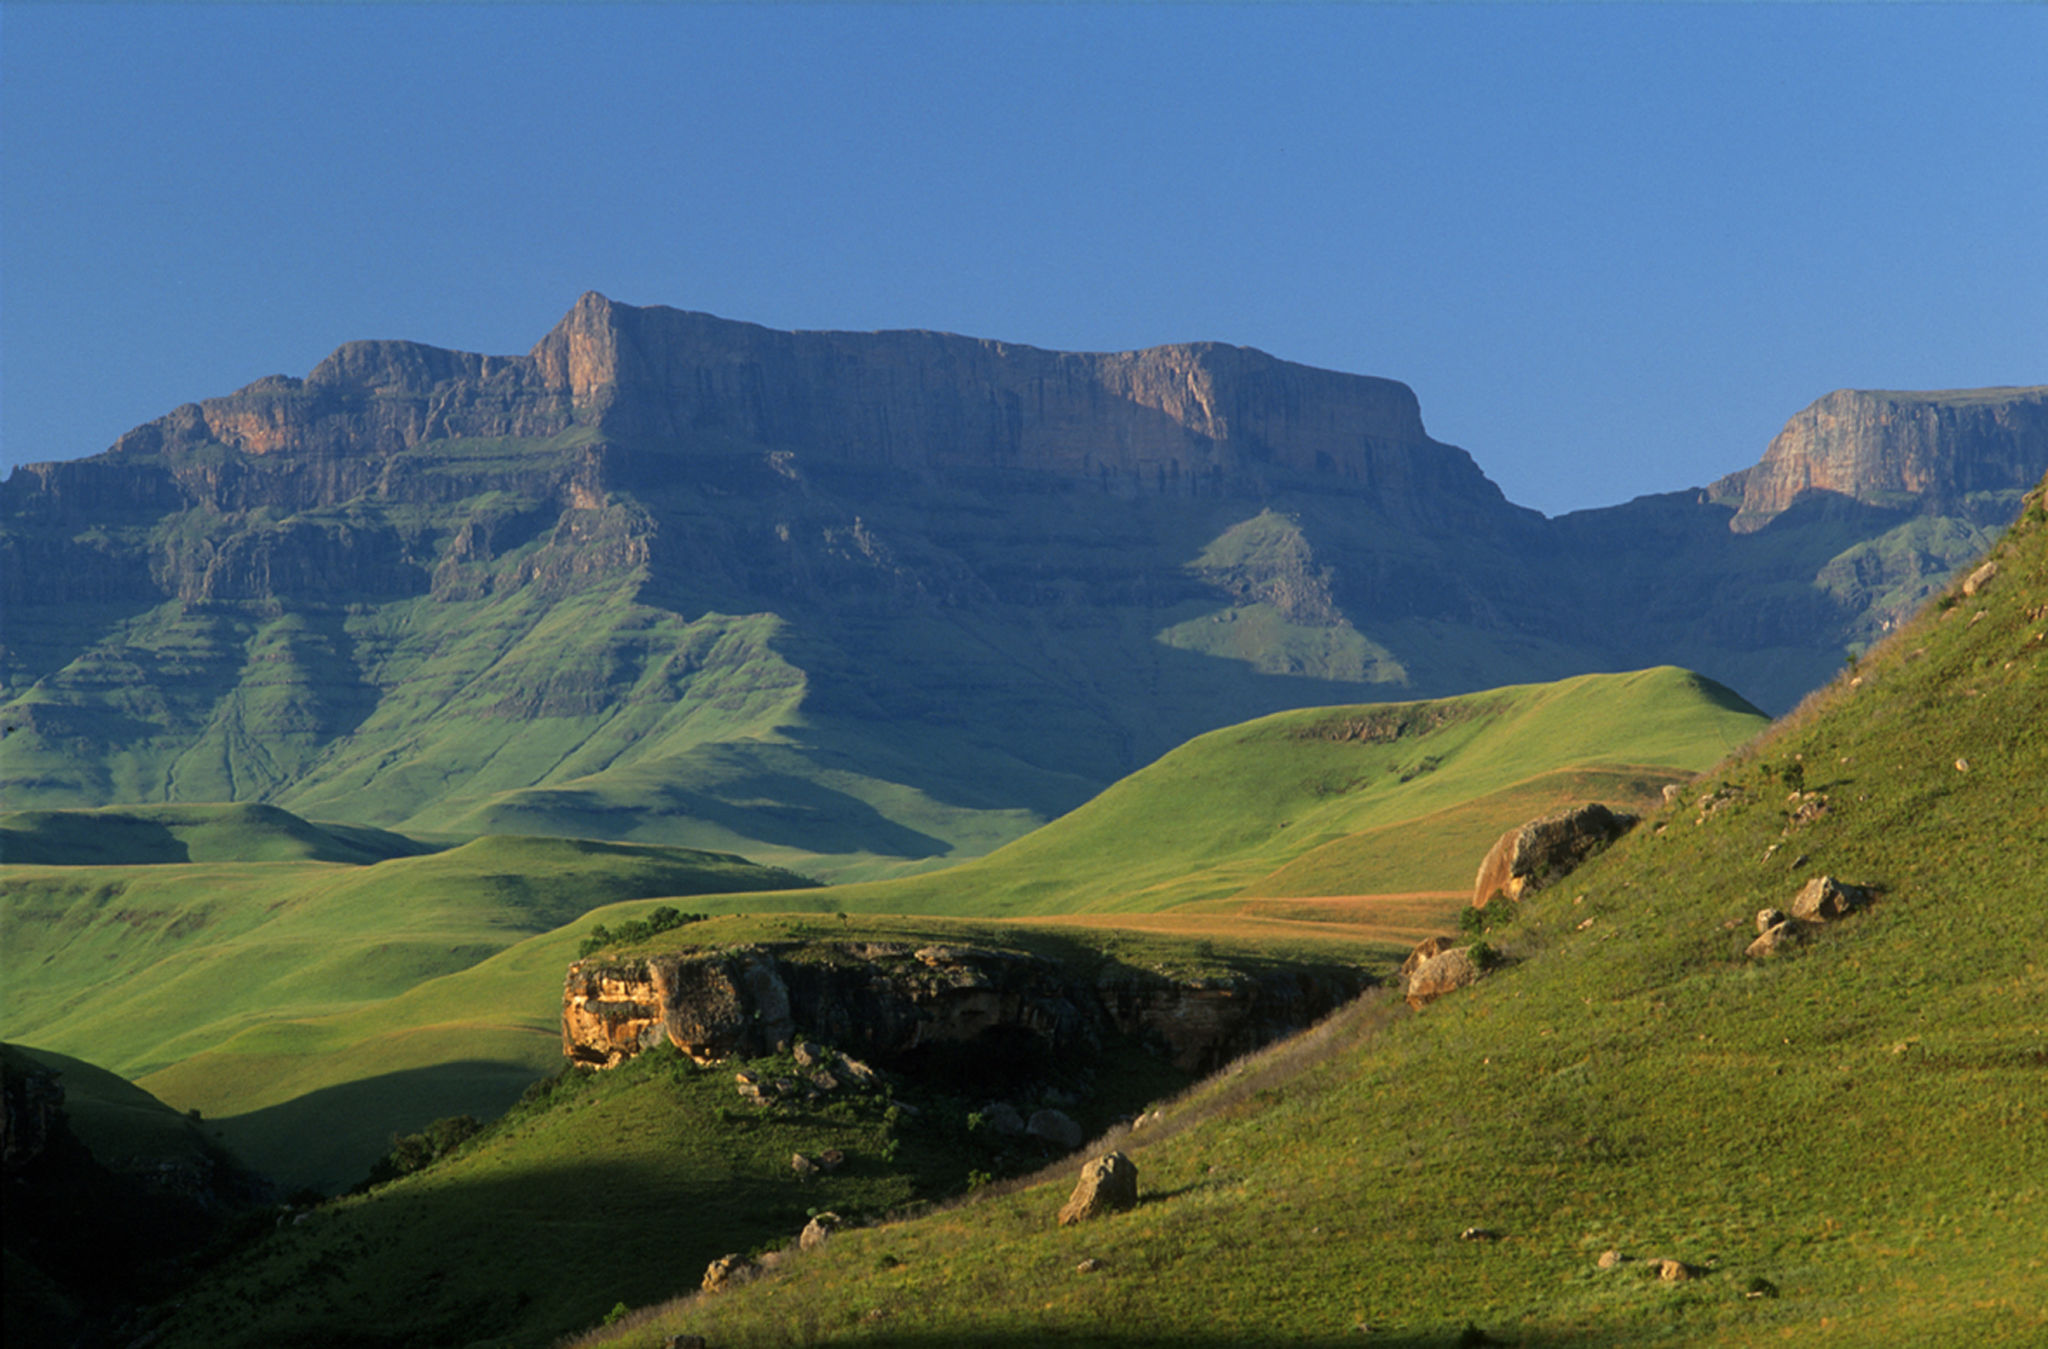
(1876, 447)
(885, 1001)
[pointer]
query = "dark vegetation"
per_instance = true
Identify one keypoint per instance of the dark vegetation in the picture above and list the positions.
(634, 931)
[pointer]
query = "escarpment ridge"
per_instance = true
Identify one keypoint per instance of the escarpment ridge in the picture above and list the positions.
(860, 603)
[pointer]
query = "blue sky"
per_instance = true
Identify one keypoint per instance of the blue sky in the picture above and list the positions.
(1612, 248)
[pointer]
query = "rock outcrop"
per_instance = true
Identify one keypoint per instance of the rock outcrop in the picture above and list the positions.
(888, 1002)
(1542, 851)
(1878, 447)
(1108, 1184)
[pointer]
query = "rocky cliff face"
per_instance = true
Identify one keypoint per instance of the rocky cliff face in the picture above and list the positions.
(1880, 448)
(886, 1002)
(1175, 419)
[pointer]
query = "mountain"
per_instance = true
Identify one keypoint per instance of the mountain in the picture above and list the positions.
(861, 604)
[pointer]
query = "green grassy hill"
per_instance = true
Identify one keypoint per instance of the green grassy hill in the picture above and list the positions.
(165, 835)
(1841, 1143)
(335, 1002)
(1344, 800)
(140, 967)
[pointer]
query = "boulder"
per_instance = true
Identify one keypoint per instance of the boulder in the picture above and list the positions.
(1824, 899)
(1980, 578)
(1442, 973)
(1526, 859)
(1671, 1271)
(1057, 1128)
(818, 1231)
(1108, 1184)
(728, 1271)
(1424, 949)
(1766, 919)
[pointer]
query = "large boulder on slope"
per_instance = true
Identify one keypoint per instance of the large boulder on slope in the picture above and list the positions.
(1545, 850)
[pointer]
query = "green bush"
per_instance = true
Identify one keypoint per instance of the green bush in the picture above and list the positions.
(664, 919)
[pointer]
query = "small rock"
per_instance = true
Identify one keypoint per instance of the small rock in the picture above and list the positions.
(1776, 939)
(1421, 955)
(1672, 791)
(1977, 580)
(855, 1071)
(1766, 919)
(1108, 1184)
(1610, 1258)
(1088, 1266)
(1056, 1128)
(1962, 765)
(824, 1081)
(1584, 923)
(811, 1054)
(830, 1160)
(1671, 1271)
(818, 1231)
(1760, 1288)
(802, 1165)
(1440, 974)
(728, 1271)
(1478, 1234)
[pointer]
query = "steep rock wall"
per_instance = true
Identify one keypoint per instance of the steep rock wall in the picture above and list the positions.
(1877, 445)
(885, 1001)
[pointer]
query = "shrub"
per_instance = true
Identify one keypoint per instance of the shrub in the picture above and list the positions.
(664, 919)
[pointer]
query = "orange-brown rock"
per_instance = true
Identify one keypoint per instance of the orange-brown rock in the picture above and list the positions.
(1108, 1184)
(1444, 972)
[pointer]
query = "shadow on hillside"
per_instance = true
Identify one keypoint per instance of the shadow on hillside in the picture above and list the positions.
(327, 1139)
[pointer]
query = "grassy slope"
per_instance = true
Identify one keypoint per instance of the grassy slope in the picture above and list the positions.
(153, 835)
(1855, 1127)
(138, 967)
(1276, 804)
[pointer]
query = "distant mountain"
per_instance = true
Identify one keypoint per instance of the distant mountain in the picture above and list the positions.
(866, 603)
